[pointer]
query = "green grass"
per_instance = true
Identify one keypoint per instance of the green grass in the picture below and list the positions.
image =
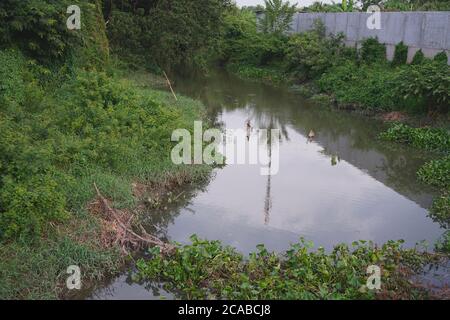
(38, 271)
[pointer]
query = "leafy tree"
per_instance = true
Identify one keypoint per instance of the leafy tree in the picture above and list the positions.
(278, 16)
(166, 33)
(37, 27)
(323, 7)
(242, 43)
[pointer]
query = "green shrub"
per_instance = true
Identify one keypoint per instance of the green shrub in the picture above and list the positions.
(429, 81)
(311, 54)
(55, 145)
(431, 139)
(418, 58)
(400, 55)
(441, 57)
(12, 67)
(28, 207)
(37, 28)
(165, 33)
(372, 51)
(242, 44)
(363, 87)
(267, 75)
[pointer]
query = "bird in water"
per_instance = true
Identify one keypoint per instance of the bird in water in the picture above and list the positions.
(248, 128)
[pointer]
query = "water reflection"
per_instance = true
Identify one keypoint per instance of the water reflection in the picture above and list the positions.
(338, 184)
(342, 135)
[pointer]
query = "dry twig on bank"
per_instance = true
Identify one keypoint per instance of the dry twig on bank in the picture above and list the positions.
(118, 228)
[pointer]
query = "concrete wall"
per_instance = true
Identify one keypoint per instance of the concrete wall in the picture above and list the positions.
(429, 31)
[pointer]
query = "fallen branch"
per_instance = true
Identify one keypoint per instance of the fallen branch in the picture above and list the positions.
(118, 225)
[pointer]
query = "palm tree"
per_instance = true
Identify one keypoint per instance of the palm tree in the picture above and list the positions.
(277, 16)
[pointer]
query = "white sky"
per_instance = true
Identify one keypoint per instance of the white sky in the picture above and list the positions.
(301, 3)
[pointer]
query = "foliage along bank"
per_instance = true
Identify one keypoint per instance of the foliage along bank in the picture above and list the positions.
(316, 63)
(209, 270)
(435, 172)
(69, 118)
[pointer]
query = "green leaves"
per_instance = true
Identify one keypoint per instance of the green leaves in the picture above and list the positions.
(431, 139)
(206, 268)
(428, 80)
(310, 54)
(89, 128)
(29, 206)
(440, 210)
(436, 173)
(168, 34)
(372, 51)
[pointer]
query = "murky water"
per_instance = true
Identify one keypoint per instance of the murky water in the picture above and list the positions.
(345, 185)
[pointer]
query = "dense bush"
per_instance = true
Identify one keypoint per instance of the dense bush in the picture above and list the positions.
(91, 125)
(39, 29)
(372, 51)
(310, 54)
(361, 86)
(441, 57)
(29, 206)
(400, 54)
(264, 74)
(242, 44)
(411, 5)
(164, 33)
(12, 67)
(418, 58)
(428, 82)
